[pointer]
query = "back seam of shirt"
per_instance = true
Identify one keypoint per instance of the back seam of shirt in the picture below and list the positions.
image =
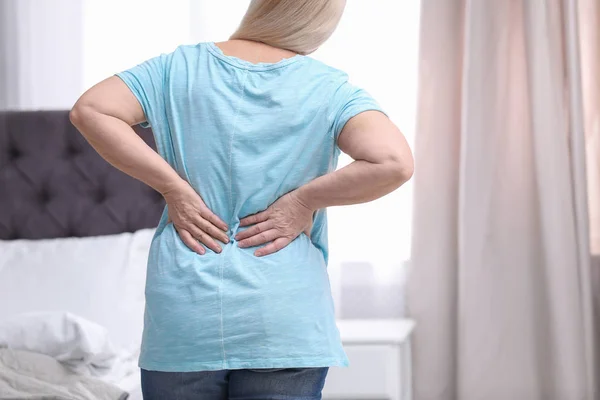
(233, 129)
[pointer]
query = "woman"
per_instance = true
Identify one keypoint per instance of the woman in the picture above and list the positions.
(248, 132)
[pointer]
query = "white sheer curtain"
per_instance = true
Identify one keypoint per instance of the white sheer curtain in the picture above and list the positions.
(53, 50)
(590, 66)
(40, 54)
(500, 285)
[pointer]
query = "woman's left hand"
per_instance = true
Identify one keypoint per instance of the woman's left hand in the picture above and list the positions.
(193, 220)
(279, 224)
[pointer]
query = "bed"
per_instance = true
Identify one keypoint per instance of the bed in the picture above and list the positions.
(74, 233)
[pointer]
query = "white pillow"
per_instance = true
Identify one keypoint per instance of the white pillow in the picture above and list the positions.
(81, 345)
(61, 335)
(99, 278)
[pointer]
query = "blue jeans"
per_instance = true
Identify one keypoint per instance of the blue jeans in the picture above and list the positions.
(242, 384)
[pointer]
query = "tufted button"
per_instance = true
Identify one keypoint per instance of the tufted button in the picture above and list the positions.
(70, 232)
(100, 195)
(14, 153)
(44, 196)
(71, 151)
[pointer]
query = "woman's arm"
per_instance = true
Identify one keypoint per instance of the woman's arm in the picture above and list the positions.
(383, 162)
(104, 115)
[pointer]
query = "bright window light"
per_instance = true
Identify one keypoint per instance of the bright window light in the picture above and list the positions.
(376, 43)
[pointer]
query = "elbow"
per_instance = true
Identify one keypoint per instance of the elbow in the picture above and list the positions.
(408, 172)
(79, 114)
(403, 173)
(401, 169)
(75, 115)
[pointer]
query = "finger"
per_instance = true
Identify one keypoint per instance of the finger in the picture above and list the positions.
(216, 221)
(307, 231)
(254, 230)
(210, 243)
(204, 238)
(255, 218)
(272, 247)
(190, 242)
(261, 238)
(211, 230)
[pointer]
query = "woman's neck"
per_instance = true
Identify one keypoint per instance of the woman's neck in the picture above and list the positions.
(254, 52)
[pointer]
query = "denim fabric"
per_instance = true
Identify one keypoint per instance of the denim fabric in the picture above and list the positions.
(243, 384)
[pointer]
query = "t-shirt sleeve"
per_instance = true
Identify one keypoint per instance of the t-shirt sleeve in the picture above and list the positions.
(349, 101)
(147, 81)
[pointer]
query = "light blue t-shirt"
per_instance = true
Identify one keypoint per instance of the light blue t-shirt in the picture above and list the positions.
(242, 135)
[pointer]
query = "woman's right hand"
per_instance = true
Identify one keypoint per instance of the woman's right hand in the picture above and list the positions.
(279, 224)
(194, 221)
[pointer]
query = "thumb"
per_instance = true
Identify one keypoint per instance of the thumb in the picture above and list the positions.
(308, 228)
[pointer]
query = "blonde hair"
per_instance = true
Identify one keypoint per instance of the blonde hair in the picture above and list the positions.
(297, 25)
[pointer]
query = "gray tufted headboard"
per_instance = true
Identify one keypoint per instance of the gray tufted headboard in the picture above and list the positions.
(53, 183)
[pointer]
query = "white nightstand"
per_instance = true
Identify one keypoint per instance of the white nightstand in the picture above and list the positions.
(380, 361)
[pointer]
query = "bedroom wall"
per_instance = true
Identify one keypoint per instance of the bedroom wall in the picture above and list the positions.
(120, 34)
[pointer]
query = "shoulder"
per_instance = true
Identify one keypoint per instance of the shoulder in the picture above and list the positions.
(326, 71)
(336, 81)
(186, 50)
(183, 57)
(327, 80)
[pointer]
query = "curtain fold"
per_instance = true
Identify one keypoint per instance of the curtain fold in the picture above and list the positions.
(589, 33)
(498, 284)
(41, 54)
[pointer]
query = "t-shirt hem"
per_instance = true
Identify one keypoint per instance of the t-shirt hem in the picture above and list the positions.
(243, 364)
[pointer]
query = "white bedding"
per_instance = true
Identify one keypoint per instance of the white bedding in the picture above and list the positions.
(96, 279)
(79, 344)
(27, 375)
